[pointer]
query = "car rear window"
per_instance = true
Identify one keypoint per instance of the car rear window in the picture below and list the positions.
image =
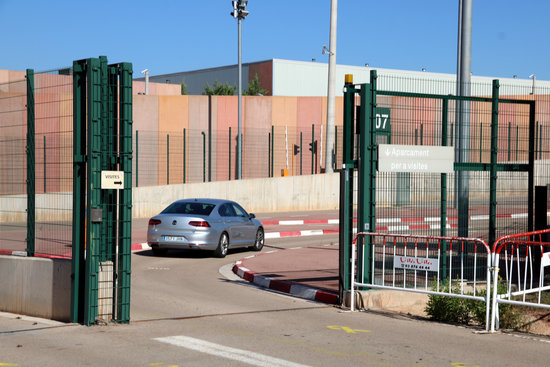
(193, 208)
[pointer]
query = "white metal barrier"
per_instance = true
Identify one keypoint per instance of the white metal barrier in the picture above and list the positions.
(523, 260)
(447, 266)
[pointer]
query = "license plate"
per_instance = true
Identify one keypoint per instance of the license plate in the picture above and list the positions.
(174, 238)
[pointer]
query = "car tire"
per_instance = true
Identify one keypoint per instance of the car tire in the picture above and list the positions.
(223, 246)
(158, 251)
(259, 241)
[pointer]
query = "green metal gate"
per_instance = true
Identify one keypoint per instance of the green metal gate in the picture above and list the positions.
(102, 191)
(455, 200)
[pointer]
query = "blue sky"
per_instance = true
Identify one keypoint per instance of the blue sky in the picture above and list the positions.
(509, 37)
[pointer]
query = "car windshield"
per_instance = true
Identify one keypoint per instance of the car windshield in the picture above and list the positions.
(193, 208)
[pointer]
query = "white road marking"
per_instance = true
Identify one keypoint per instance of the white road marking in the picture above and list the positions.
(244, 356)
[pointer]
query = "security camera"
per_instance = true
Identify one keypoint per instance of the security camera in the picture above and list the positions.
(144, 71)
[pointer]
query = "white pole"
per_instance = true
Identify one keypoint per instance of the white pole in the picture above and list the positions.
(331, 85)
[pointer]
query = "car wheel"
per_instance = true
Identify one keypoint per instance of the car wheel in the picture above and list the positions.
(259, 242)
(223, 245)
(158, 251)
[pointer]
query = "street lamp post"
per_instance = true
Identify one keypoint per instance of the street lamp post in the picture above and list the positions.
(239, 12)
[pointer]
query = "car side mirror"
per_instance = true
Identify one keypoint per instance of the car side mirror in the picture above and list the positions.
(251, 216)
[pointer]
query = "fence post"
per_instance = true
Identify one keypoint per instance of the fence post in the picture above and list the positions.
(268, 154)
(272, 147)
(536, 138)
(125, 211)
(168, 159)
(509, 140)
(31, 191)
(137, 158)
(203, 156)
(443, 227)
(540, 141)
(480, 142)
(517, 141)
(229, 146)
(184, 154)
(494, 152)
(44, 163)
(312, 147)
(301, 153)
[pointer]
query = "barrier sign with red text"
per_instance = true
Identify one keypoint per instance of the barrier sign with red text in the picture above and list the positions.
(415, 263)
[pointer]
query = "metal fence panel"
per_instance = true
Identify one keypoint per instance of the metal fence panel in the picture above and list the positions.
(447, 266)
(54, 163)
(521, 264)
(13, 168)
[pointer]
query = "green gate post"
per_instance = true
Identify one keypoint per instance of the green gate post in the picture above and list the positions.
(109, 155)
(531, 167)
(94, 207)
(443, 228)
(125, 204)
(30, 148)
(346, 189)
(367, 175)
(493, 169)
(79, 192)
(100, 221)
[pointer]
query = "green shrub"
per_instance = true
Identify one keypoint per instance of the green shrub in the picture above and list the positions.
(472, 312)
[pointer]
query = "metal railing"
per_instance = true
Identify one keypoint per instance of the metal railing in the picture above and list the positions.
(523, 260)
(446, 266)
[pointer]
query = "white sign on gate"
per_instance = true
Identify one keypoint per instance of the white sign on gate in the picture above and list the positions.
(415, 158)
(545, 259)
(415, 263)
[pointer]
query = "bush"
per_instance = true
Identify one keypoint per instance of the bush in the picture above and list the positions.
(471, 312)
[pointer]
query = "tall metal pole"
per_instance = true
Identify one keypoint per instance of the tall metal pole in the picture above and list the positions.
(239, 12)
(462, 137)
(239, 136)
(331, 100)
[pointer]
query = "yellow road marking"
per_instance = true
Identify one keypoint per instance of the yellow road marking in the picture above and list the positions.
(348, 330)
(8, 364)
(464, 365)
(162, 365)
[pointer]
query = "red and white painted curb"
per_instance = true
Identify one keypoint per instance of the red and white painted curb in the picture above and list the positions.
(391, 220)
(296, 290)
(140, 246)
(314, 232)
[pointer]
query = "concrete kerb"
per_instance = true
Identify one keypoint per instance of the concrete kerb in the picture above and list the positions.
(293, 289)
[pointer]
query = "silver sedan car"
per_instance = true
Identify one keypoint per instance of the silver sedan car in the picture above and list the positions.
(204, 224)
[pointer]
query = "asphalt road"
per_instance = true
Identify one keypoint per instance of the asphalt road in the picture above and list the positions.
(188, 309)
